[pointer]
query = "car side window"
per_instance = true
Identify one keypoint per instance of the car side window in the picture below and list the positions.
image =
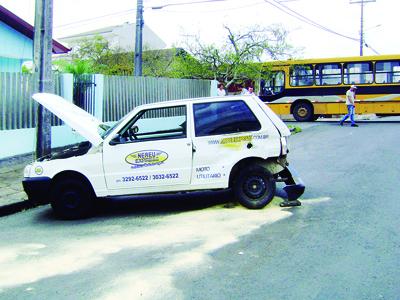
(224, 117)
(156, 124)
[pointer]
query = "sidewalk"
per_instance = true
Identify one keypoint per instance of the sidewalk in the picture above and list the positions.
(12, 195)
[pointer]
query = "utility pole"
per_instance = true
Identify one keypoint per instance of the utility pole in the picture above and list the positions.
(362, 2)
(138, 38)
(43, 42)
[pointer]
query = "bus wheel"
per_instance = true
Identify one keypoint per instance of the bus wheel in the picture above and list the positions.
(303, 112)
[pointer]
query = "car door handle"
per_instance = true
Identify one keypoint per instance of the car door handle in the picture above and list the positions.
(193, 148)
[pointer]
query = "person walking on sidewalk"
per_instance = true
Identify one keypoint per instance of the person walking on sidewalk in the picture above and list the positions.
(350, 98)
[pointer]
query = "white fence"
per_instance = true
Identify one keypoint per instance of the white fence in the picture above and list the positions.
(123, 93)
(17, 110)
(114, 97)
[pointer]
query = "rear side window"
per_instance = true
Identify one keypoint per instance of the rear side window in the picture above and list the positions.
(358, 73)
(387, 72)
(224, 117)
(328, 74)
(301, 75)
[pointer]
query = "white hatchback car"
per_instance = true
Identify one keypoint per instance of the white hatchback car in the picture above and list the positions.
(185, 145)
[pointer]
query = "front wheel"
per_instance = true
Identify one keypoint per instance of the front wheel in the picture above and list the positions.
(72, 199)
(255, 187)
(303, 112)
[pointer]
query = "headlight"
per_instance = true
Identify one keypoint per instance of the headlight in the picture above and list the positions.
(27, 170)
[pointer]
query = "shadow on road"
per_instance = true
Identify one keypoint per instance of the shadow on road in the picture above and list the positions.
(151, 205)
(162, 204)
(154, 205)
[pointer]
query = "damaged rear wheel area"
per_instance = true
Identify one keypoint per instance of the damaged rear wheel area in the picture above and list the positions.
(254, 187)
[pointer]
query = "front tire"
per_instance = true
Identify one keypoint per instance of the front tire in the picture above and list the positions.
(72, 199)
(255, 187)
(303, 112)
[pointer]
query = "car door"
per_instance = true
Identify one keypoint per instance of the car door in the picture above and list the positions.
(224, 133)
(152, 153)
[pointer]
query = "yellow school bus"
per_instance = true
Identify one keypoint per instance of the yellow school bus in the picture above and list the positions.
(312, 88)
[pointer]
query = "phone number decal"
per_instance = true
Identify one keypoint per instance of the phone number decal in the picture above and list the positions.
(149, 177)
(135, 178)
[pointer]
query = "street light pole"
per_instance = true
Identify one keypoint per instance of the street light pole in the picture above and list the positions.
(362, 2)
(362, 28)
(43, 42)
(138, 38)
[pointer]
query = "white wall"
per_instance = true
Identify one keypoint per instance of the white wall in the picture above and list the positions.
(213, 88)
(22, 141)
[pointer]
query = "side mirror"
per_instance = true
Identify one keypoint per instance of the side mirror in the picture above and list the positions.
(132, 132)
(135, 129)
(116, 140)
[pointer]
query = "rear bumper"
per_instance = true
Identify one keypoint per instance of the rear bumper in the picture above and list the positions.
(37, 189)
(294, 185)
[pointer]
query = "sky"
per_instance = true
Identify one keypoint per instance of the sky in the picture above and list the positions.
(175, 22)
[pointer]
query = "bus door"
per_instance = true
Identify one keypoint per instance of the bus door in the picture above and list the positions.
(272, 86)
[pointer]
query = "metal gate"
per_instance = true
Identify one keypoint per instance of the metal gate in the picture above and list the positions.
(84, 92)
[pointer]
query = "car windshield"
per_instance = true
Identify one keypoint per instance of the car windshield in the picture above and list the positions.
(106, 129)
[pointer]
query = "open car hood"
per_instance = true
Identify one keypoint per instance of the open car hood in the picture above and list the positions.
(78, 119)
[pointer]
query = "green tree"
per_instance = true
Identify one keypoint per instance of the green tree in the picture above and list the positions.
(94, 55)
(93, 49)
(76, 66)
(238, 57)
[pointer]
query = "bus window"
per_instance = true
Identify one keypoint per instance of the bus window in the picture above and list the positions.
(358, 73)
(301, 75)
(387, 72)
(274, 85)
(328, 74)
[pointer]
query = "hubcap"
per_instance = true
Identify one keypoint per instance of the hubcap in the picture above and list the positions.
(302, 112)
(71, 199)
(255, 187)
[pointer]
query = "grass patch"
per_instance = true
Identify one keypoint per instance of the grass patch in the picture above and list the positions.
(294, 129)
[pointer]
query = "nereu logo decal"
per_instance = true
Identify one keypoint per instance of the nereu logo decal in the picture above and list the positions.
(146, 158)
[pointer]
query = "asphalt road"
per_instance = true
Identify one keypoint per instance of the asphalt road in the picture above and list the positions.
(343, 243)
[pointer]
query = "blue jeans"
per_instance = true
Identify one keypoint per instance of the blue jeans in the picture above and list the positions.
(350, 109)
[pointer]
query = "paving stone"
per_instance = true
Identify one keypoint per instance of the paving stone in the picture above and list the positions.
(20, 196)
(4, 192)
(11, 175)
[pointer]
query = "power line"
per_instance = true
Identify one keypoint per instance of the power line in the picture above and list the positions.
(96, 18)
(124, 12)
(216, 10)
(372, 49)
(131, 11)
(184, 3)
(293, 13)
(311, 22)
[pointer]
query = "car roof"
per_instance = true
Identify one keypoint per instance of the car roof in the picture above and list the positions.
(193, 100)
